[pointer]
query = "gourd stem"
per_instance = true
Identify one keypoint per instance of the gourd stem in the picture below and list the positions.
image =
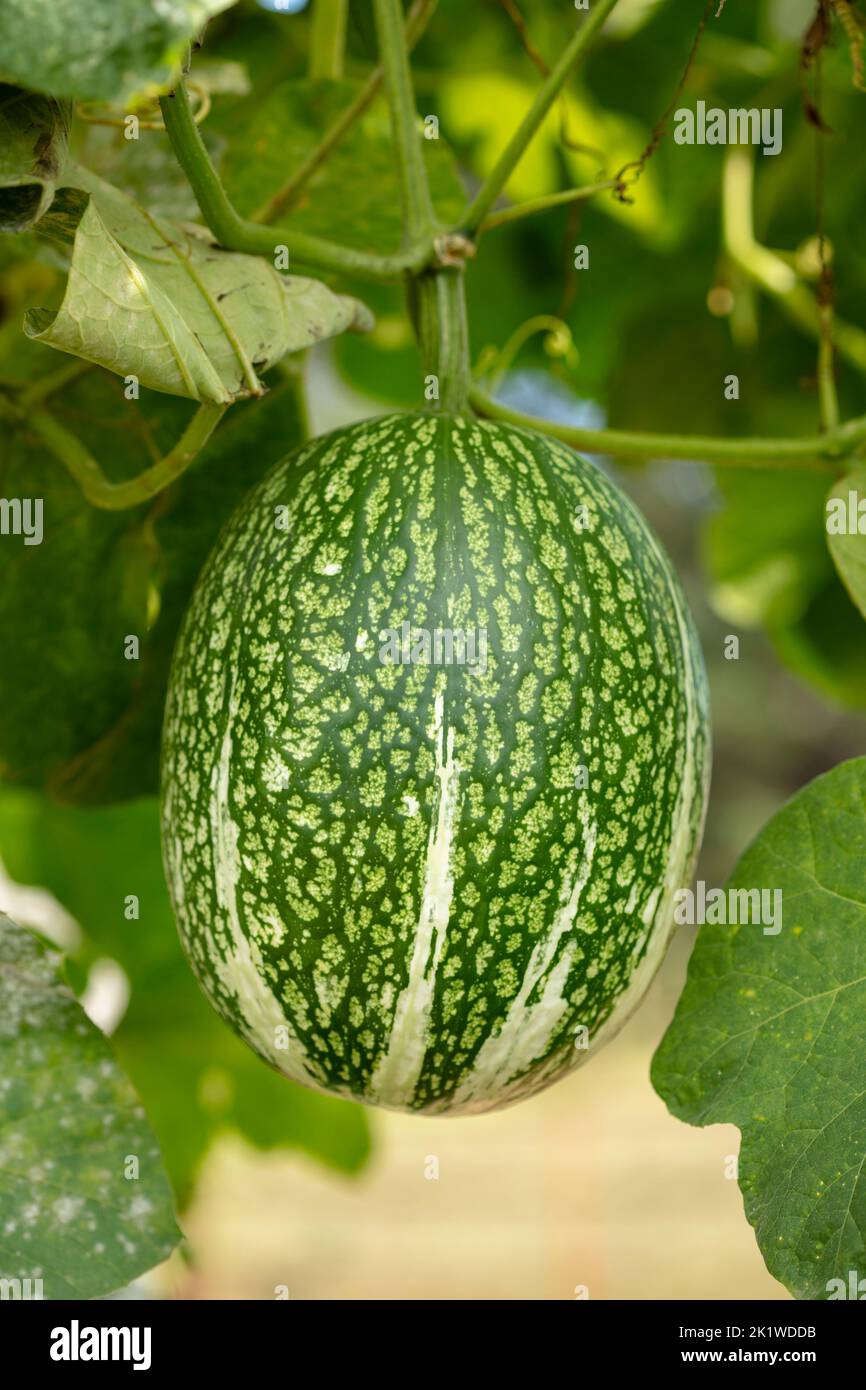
(438, 304)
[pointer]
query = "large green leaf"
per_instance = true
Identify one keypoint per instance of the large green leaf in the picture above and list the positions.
(846, 532)
(354, 197)
(34, 133)
(161, 302)
(75, 714)
(195, 1077)
(108, 50)
(85, 1205)
(770, 1035)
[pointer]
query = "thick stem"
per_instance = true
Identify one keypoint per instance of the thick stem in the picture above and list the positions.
(416, 22)
(514, 150)
(418, 217)
(439, 309)
(328, 38)
(98, 489)
(819, 454)
(237, 234)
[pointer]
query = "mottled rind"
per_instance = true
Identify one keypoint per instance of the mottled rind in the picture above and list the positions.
(393, 879)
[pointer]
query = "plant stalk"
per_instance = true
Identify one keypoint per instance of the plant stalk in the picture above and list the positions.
(328, 38)
(439, 311)
(237, 234)
(418, 217)
(113, 497)
(416, 22)
(509, 159)
(820, 454)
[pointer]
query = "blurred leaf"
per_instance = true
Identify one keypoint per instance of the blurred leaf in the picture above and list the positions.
(481, 111)
(770, 1035)
(765, 549)
(34, 133)
(73, 1213)
(354, 198)
(98, 49)
(195, 1076)
(848, 546)
(161, 302)
(75, 715)
(767, 557)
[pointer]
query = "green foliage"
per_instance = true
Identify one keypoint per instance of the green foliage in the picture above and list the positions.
(848, 547)
(75, 714)
(354, 197)
(195, 1078)
(115, 51)
(84, 1202)
(770, 1035)
(154, 300)
(34, 132)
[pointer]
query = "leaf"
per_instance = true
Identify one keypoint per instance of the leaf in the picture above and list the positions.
(161, 302)
(848, 546)
(72, 1213)
(75, 714)
(354, 197)
(99, 49)
(770, 1035)
(196, 1078)
(767, 555)
(34, 133)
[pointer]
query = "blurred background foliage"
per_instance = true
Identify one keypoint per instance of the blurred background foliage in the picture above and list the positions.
(79, 726)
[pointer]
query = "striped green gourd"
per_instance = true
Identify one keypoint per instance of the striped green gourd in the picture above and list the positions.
(435, 763)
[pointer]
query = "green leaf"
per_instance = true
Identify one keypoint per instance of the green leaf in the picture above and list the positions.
(75, 714)
(84, 1202)
(34, 134)
(767, 555)
(848, 543)
(99, 49)
(196, 1078)
(770, 1035)
(354, 197)
(161, 302)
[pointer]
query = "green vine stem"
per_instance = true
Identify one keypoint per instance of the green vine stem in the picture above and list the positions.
(558, 342)
(237, 234)
(507, 162)
(416, 22)
(328, 38)
(770, 272)
(550, 200)
(113, 497)
(418, 218)
(821, 453)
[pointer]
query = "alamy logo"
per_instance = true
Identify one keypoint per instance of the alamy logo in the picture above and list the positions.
(846, 516)
(441, 646)
(76, 1343)
(734, 127)
(737, 907)
(22, 516)
(855, 1289)
(22, 1289)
